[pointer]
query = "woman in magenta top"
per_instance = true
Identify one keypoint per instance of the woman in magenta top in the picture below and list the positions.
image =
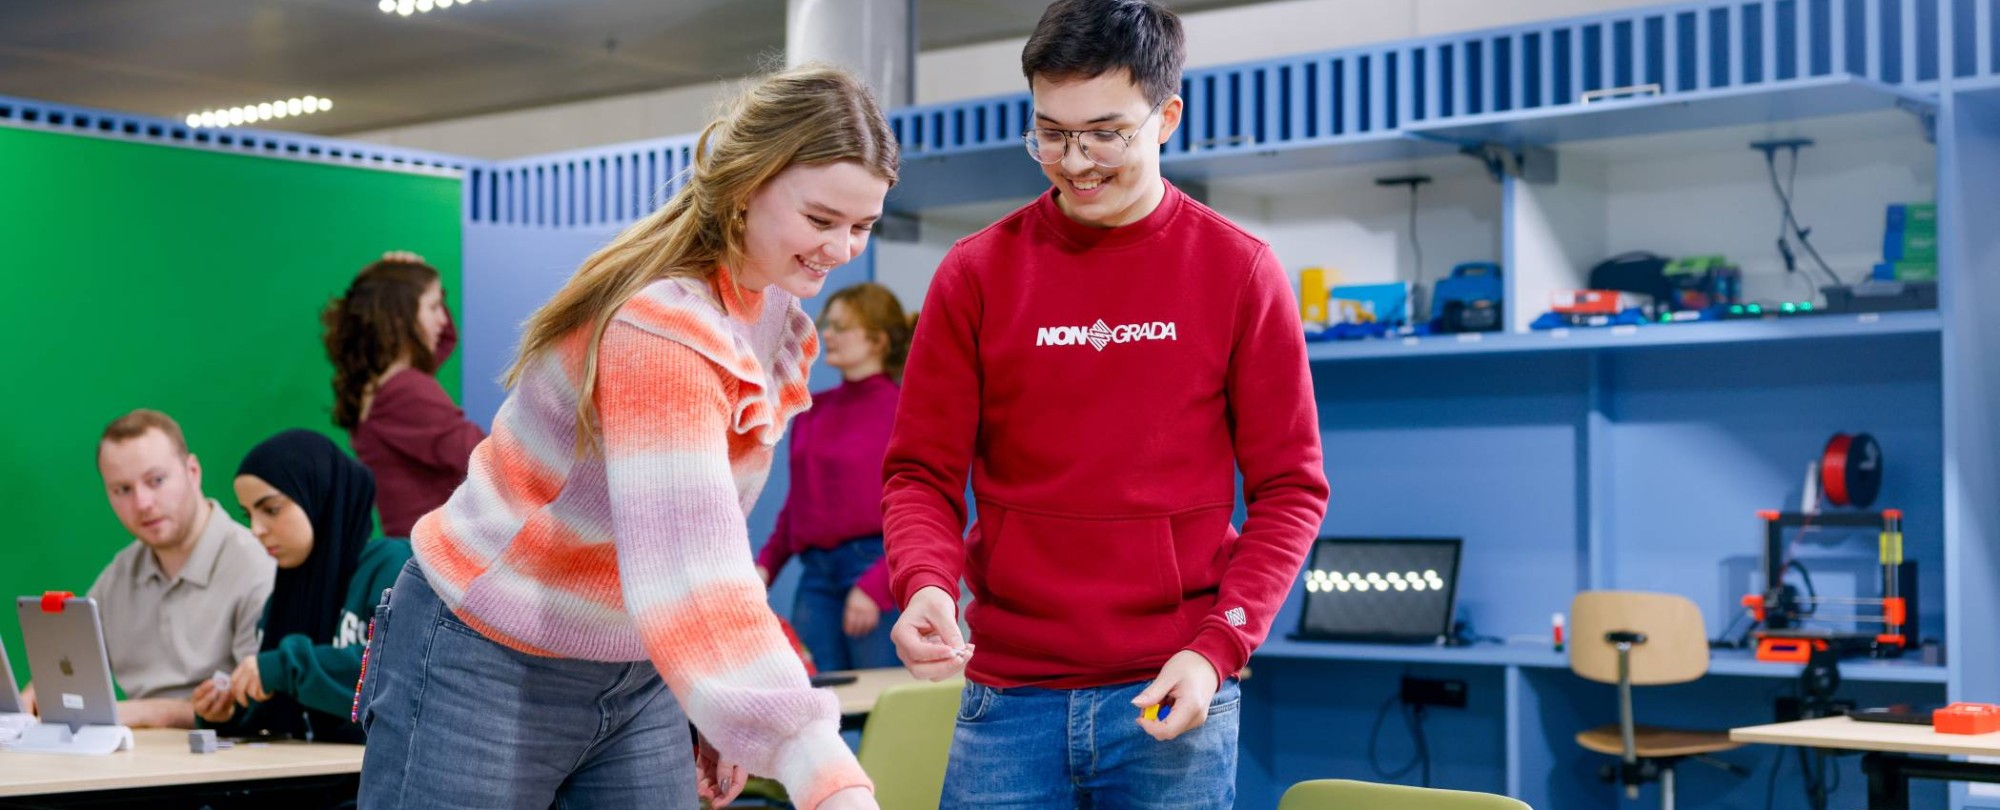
(386, 338)
(832, 518)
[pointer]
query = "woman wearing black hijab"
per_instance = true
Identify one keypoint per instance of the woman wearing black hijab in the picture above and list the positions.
(308, 503)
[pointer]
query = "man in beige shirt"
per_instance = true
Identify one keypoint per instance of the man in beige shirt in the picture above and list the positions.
(182, 601)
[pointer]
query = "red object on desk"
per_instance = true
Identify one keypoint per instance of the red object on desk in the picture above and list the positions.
(1966, 718)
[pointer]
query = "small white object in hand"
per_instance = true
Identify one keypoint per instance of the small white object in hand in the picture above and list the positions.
(221, 680)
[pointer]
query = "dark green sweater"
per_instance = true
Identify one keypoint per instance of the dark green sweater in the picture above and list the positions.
(321, 677)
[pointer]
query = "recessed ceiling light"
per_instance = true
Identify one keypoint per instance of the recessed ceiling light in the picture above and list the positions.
(261, 111)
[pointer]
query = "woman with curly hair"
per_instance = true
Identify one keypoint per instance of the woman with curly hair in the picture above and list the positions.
(387, 337)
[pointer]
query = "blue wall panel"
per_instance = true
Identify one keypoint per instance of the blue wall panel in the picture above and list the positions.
(1309, 719)
(1701, 439)
(1479, 449)
(512, 272)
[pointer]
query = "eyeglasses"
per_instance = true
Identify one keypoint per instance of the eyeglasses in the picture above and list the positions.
(1104, 147)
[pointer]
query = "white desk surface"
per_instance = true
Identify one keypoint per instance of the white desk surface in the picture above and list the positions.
(160, 757)
(1848, 733)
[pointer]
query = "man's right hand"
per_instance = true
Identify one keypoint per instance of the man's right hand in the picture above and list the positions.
(213, 704)
(927, 637)
(28, 701)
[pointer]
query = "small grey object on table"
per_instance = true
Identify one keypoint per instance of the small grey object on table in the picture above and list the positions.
(201, 741)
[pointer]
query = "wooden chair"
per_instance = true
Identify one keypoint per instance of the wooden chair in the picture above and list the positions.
(1629, 638)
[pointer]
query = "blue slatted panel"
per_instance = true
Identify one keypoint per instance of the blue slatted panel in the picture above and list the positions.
(587, 188)
(1538, 73)
(1222, 111)
(1368, 89)
(1348, 116)
(1478, 78)
(109, 124)
(1871, 38)
(1270, 104)
(1767, 41)
(1964, 37)
(1987, 57)
(1924, 44)
(602, 198)
(1343, 94)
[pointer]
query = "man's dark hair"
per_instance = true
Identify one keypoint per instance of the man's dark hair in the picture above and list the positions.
(1084, 39)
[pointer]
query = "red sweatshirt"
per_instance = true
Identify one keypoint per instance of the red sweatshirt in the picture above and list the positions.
(1102, 387)
(417, 442)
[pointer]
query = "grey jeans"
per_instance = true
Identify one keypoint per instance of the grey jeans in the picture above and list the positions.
(456, 720)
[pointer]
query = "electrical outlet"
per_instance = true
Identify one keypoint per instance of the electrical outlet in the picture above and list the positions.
(1446, 693)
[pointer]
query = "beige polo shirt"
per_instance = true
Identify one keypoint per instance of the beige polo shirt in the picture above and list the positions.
(165, 636)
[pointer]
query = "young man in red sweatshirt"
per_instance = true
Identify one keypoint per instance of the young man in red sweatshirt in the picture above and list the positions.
(1101, 362)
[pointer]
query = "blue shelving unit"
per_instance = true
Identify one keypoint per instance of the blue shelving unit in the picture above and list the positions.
(1620, 338)
(1794, 100)
(1540, 655)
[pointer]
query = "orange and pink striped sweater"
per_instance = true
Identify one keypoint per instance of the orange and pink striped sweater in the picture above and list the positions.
(642, 551)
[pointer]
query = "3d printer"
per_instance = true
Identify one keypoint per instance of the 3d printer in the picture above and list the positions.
(1848, 473)
(1782, 612)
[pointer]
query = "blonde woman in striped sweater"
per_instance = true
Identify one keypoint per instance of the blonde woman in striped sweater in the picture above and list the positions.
(589, 589)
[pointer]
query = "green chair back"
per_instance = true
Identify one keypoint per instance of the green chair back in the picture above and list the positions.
(1343, 794)
(907, 741)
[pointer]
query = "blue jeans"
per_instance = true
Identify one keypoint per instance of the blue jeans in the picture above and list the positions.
(1082, 749)
(821, 606)
(456, 720)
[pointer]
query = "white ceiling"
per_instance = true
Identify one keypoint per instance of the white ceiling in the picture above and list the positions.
(173, 57)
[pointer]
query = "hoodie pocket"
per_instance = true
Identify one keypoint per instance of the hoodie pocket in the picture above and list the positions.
(1103, 593)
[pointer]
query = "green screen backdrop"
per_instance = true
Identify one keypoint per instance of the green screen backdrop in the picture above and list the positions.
(190, 281)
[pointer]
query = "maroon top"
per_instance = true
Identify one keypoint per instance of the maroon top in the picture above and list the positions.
(417, 442)
(836, 468)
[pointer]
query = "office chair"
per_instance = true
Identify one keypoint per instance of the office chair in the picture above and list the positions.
(1343, 794)
(1629, 638)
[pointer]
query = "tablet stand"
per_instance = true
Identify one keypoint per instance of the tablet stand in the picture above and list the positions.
(57, 738)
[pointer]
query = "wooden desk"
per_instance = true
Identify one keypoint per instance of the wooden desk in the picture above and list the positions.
(1890, 747)
(160, 758)
(857, 699)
